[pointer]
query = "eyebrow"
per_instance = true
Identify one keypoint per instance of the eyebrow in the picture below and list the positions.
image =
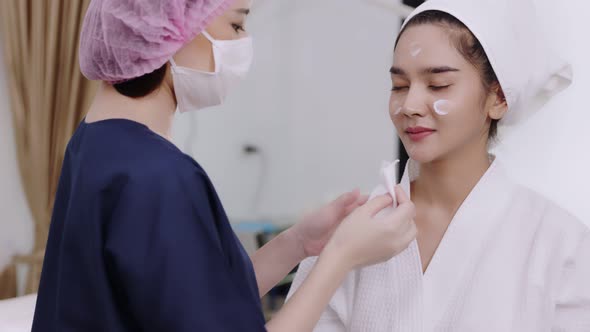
(243, 11)
(397, 71)
(428, 71)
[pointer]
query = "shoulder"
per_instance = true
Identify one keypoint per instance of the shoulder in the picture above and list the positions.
(131, 155)
(535, 205)
(536, 217)
(171, 174)
(550, 212)
(170, 195)
(556, 227)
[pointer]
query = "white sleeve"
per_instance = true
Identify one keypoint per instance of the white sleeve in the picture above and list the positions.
(572, 309)
(335, 315)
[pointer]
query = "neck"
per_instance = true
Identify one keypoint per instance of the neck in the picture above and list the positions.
(447, 182)
(156, 111)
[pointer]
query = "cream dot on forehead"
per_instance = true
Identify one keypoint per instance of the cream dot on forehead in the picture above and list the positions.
(432, 41)
(415, 49)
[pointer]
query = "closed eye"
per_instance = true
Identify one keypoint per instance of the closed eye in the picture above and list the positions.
(399, 88)
(439, 87)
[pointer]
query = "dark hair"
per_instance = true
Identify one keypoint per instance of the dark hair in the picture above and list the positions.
(468, 45)
(143, 85)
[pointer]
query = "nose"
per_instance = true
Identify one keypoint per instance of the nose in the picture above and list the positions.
(415, 103)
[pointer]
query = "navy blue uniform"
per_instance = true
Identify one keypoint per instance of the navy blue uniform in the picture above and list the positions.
(139, 241)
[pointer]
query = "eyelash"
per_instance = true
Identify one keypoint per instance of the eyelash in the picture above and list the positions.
(238, 27)
(439, 88)
(433, 87)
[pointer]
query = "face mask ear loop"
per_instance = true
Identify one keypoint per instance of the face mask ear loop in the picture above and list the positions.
(208, 36)
(212, 41)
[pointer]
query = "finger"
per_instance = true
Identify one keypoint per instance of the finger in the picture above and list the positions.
(377, 204)
(362, 200)
(345, 204)
(346, 199)
(359, 202)
(400, 217)
(348, 210)
(412, 232)
(409, 236)
(406, 210)
(407, 226)
(401, 195)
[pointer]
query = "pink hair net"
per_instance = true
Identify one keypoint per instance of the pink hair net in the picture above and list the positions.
(124, 39)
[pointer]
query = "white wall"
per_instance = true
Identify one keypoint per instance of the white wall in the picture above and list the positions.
(315, 103)
(16, 228)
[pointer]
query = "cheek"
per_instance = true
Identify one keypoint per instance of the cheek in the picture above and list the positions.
(397, 124)
(397, 121)
(459, 104)
(394, 109)
(395, 106)
(198, 55)
(464, 121)
(221, 29)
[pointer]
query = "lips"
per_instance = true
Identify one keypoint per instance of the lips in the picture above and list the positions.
(419, 133)
(418, 130)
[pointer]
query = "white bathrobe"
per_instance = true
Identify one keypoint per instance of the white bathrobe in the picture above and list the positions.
(511, 260)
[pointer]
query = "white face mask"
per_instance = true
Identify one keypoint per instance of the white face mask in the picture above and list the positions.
(197, 89)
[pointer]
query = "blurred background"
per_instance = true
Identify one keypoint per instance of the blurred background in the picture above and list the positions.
(310, 122)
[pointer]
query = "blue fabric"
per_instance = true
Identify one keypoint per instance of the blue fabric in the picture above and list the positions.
(139, 241)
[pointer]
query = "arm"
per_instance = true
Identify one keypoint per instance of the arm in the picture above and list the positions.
(276, 259)
(336, 314)
(307, 238)
(303, 310)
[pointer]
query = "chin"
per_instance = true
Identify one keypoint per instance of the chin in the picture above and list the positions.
(422, 153)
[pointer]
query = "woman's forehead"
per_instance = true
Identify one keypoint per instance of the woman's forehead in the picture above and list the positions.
(426, 45)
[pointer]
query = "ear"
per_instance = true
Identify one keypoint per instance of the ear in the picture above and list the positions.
(497, 103)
